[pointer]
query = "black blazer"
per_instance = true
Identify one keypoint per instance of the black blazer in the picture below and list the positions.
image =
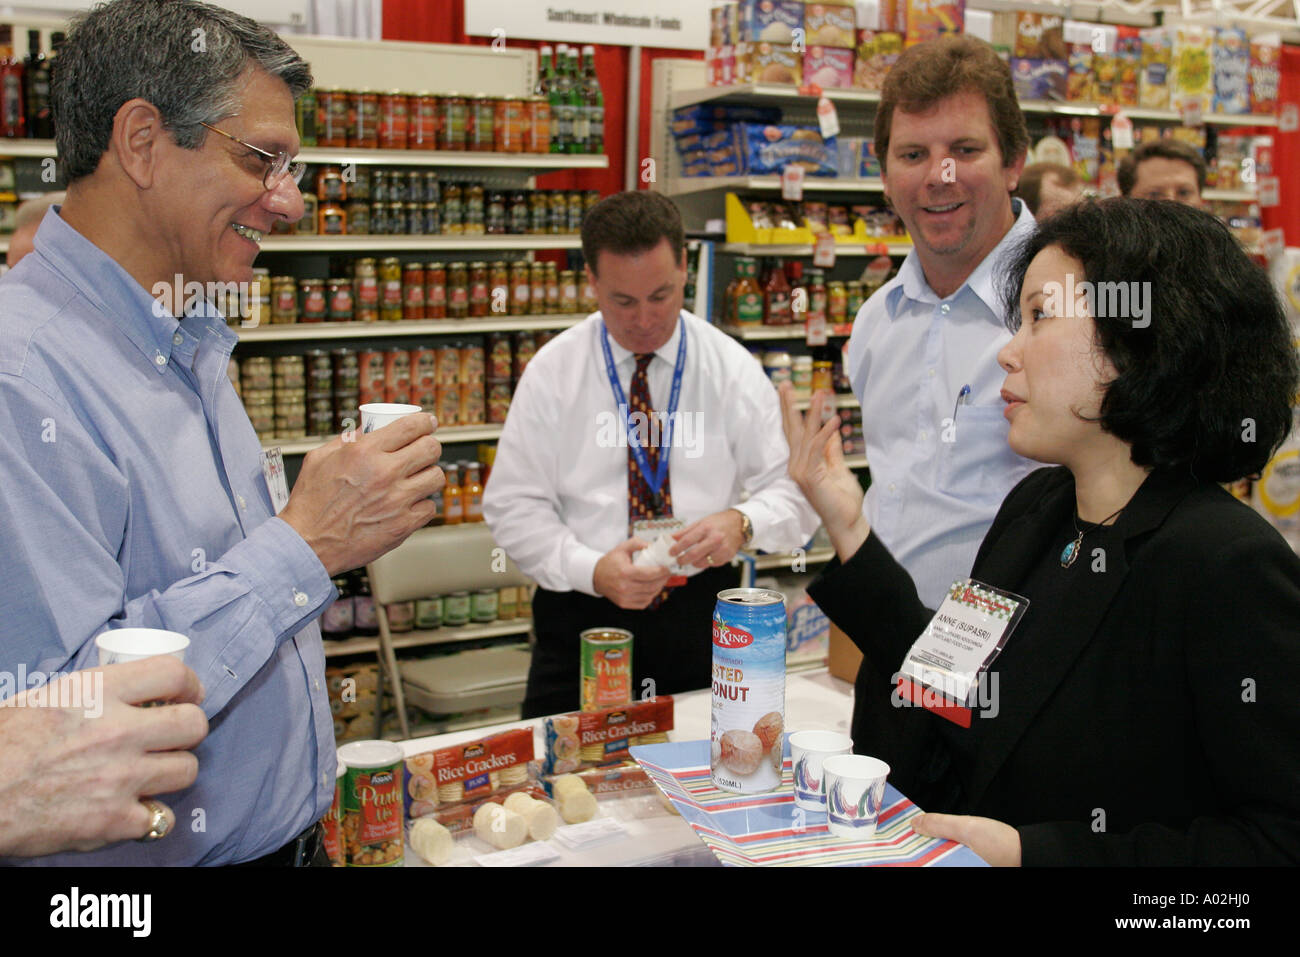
(1167, 698)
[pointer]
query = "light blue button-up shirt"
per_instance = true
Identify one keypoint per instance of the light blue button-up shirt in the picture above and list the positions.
(134, 496)
(937, 476)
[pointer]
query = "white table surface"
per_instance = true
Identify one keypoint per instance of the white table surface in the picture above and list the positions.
(813, 701)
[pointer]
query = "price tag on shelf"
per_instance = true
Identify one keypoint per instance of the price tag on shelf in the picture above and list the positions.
(1191, 110)
(591, 833)
(1272, 243)
(816, 331)
(532, 854)
(792, 183)
(824, 251)
(1121, 132)
(828, 118)
(1267, 189)
(1288, 118)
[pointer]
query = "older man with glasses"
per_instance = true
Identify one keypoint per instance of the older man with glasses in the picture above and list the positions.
(134, 484)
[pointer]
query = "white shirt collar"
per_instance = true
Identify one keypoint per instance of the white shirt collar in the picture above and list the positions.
(667, 352)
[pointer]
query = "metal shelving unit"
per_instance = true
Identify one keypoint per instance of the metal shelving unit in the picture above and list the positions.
(440, 636)
(439, 243)
(310, 331)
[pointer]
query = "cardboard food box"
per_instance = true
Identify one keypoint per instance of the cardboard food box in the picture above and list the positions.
(828, 67)
(1193, 74)
(1231, 71)
(769, 21)
(775, 63)
(1153, 74)
(829, 25)
(1265, 52)
(878, 51)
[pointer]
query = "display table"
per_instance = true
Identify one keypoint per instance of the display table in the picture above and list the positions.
(655, 835)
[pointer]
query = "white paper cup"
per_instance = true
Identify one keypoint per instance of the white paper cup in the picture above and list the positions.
(376, 415)
(808, 750)
(855, 789)
(132, 644)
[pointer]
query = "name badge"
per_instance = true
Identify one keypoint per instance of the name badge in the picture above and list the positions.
(273, 472)
(945, 668)
(658, 533)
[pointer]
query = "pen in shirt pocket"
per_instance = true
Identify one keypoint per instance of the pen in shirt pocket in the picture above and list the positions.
(962, 397)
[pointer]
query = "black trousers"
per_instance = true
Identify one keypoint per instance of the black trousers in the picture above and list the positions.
(672, 646)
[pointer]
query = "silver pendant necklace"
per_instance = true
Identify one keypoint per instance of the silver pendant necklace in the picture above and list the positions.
(1071, 550)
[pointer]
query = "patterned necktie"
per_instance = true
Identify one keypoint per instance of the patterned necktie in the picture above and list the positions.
(641, 501)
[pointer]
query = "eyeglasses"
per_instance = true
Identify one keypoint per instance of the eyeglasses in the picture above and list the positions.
(278, 164)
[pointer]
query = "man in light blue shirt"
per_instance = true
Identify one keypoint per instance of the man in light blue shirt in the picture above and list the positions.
(923, 354)
(134, 490)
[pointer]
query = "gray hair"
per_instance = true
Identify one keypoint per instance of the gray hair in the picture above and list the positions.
(184, 57)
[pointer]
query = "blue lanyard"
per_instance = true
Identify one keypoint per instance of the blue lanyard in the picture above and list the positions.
(661, 472)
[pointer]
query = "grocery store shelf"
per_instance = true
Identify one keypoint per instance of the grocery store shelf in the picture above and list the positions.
(781, 333)
(362, 244)
(440, 636)
(764, 93)
(525, 161)
(841, 402)
(456, 158)
(684, 185)
(14, 147)
(816, 556)
(1229, 195)
(1138, 113)
(841, 249)
(311, 331)
(450, 435)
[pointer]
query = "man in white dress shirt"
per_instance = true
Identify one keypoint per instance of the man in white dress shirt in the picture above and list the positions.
(568, 488)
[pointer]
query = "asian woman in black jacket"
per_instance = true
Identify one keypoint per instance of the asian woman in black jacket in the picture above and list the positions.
(1148, 702)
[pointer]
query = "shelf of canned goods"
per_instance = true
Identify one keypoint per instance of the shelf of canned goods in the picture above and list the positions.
(422, 637)
(299, 331)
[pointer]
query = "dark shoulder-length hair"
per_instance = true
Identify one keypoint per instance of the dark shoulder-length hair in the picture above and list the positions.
(1207, 372)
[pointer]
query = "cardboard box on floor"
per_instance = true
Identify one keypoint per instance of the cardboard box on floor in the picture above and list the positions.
(843, 658)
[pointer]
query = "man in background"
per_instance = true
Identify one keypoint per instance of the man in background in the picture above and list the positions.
(26, 220)
(1048, 188)
(1163, 169)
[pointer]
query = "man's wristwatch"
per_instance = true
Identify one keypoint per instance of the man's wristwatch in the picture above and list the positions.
(746, 527)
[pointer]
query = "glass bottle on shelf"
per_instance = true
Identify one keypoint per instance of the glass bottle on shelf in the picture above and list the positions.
(595, 101)
(578, 104)
(40, 122)
(776, 298)
(453, 502)
(749, 294)
(472, 493)
(364, 623)
(557, 91)
(13, 122)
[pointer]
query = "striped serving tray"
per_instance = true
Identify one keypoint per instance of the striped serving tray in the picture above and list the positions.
(767, 830)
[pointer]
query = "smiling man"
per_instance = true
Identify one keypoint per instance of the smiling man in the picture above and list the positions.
(568, 490)
(923, 354)
(134, 481)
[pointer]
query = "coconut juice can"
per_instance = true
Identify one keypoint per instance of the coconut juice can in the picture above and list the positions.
(748, 690)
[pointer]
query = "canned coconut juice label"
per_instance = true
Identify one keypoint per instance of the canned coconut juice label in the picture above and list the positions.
(748, 690)
(606, 668)
(371, 803)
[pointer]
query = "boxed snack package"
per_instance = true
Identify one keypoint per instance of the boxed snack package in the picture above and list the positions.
(709, 118)
(878, 50)
(609, 781)
(1192, 79)
(587, 739)
(828, 67)
(1039, 36)
(1039, 79)
(828, 25)
(887, 15)
(1231, 71)
(775, 63)
(1265, 54)
(1080, 81)
(1128, 54)
(769, 21)
(767, 149)
(929, 19)
(467, 772)
(869, 168)
(1153, 74)
(1106, 66)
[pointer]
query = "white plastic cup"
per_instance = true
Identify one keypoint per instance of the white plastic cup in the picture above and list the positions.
(376, 415)
(808, 751)
(133, 644)
(855, 789)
